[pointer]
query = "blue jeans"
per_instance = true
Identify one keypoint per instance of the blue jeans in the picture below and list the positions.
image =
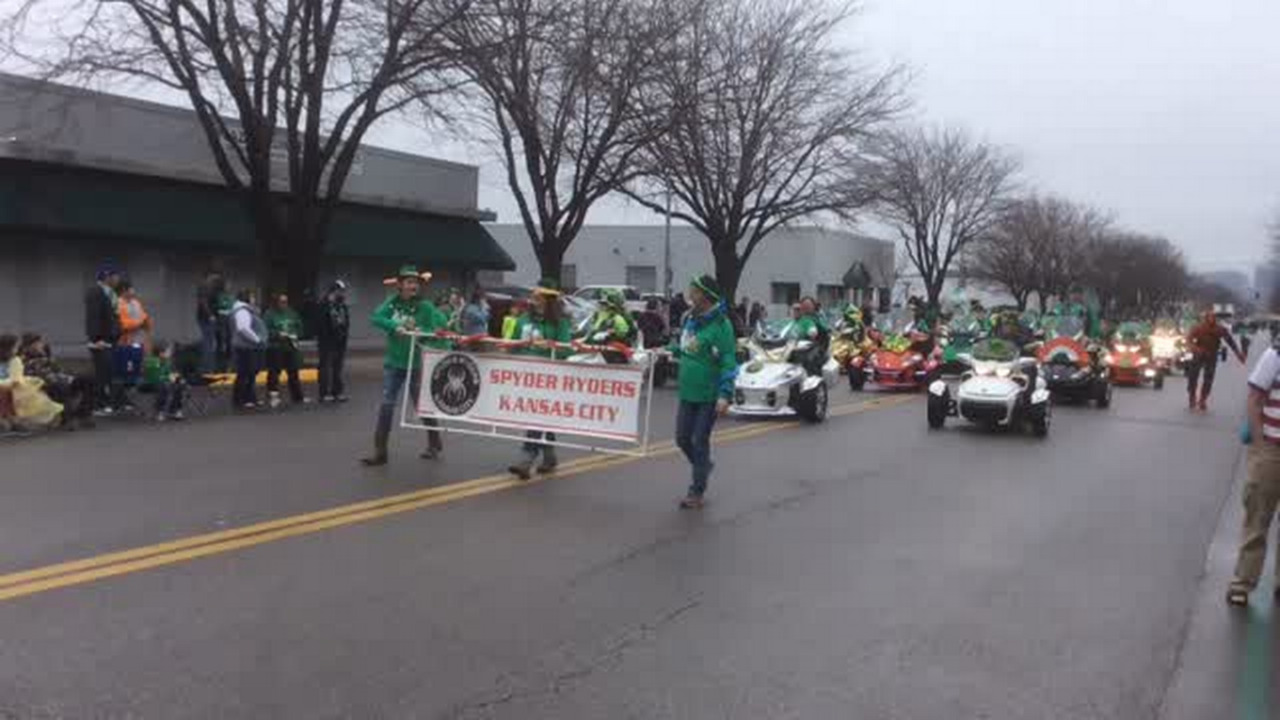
(694, 422)
(393, 380)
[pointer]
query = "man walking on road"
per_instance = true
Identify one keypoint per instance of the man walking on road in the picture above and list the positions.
(1204, 341)
(400, 316)
(708, 365)
(1262, 488)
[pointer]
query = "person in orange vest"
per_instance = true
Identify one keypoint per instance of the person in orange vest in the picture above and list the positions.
(135, 335)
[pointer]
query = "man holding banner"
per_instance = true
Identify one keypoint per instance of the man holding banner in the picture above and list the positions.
(402, 314)
(707, 352)
(541, 325)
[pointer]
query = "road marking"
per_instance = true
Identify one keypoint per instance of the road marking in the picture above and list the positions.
(76, 572)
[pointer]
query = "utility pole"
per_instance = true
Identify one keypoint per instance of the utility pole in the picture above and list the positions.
(666, 250)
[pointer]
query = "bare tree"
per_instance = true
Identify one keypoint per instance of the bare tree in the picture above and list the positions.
(1136, 275)
(560, 85)
(1037, 247)
(763, 123)
(940, 191)
(284, 90)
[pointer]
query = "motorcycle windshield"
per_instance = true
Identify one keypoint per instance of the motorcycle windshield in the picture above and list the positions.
(995, 350)
(772, 333)
(1133, 332)
(1068, 327)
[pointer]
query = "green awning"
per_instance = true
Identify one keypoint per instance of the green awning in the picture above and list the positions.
(95, 205)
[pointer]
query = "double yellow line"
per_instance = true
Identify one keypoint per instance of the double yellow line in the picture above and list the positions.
(76, 572)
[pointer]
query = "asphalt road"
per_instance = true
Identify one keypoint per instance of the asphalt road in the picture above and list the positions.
(864, 568)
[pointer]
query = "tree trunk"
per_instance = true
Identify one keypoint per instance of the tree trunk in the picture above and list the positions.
(728, 269)
(551, 260)
(1043, 299)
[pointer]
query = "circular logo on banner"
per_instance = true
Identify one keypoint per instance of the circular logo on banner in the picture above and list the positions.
(455, 384)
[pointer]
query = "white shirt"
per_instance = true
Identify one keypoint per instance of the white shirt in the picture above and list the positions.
(1266, 377)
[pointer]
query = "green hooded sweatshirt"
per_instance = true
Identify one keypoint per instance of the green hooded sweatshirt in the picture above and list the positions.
(392, 315)
(708, 354)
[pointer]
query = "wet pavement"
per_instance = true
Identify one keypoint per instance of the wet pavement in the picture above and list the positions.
(866, 567)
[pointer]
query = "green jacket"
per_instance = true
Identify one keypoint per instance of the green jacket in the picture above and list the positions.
(809, 327)
(529, 327)
(618, 326)
(284, 327)
(708, 357)
(393, 314)
(156, 371)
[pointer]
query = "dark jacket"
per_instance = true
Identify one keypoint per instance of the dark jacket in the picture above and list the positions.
(101, 319)
(333, 324)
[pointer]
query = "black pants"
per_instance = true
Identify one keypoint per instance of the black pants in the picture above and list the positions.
(169, 397)
(248, 361)
(286, 359)
(107, 392)
(76, 395)
(333, 353)
(1208, 366)
(221, 343)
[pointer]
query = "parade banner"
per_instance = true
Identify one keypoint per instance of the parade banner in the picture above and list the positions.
(531, 393)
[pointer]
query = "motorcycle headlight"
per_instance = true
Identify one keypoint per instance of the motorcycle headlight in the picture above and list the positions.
(1002, 372)
(1142, 361)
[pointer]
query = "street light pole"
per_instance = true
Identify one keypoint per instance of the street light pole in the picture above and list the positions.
(666, 250)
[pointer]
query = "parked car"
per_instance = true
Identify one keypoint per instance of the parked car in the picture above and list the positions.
(594, 293)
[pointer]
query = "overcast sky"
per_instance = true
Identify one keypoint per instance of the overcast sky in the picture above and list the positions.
(1166, 112)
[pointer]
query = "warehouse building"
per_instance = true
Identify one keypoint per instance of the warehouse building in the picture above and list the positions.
(88, 177)
(832, 265)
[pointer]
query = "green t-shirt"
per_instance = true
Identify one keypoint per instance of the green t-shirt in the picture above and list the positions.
(284, 327)
(529, 327)
(393, 315)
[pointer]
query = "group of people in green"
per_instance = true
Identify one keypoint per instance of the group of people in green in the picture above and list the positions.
(705, 349)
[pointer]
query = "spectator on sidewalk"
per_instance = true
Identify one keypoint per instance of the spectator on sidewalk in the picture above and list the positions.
(209, 295)
(32, 408)
(679, 306)
(473, 319)
(284, 328)
(332, 331)
(248, 340)
(102, 330)
(170, 389)
(135, 336)
(400, 316)
(1262, 487)
(74, 392)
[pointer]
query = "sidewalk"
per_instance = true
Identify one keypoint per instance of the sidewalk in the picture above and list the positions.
(1229, 665)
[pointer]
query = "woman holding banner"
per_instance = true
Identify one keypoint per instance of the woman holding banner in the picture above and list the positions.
(540, 326)
(707, 351)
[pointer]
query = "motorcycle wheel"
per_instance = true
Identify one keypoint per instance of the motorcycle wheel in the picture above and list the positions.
(857, 379)
(1038, 419)
(813, 405)
(1102, 397)
(661, 371)
(1158, 383)
(938, 405)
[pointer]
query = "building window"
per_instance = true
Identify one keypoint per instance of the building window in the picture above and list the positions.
(569, 277)
(831, 296)
(643, 278)
(784, 293)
